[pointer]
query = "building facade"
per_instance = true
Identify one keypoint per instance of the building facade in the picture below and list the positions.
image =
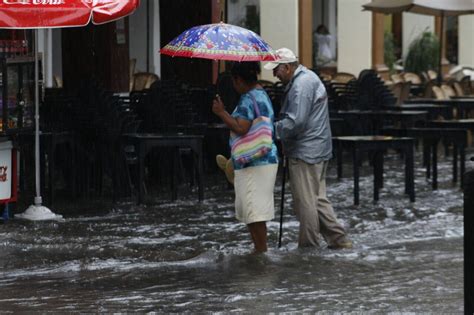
(356, 36)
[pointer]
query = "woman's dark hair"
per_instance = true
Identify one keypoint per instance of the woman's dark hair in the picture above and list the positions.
(247, 70)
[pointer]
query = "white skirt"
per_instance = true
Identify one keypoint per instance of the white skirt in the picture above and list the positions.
(254, 193)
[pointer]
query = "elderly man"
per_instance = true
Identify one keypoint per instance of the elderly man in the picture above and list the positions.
(305, 133)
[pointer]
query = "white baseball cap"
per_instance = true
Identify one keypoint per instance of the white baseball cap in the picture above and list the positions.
(285, 55)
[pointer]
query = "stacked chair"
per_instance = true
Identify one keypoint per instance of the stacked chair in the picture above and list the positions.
(373, 93)
(366, 92)
(98, 119)
(342, 95)
(172, 107)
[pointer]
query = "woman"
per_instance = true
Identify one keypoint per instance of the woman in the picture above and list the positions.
(323, 40)
(254, 181)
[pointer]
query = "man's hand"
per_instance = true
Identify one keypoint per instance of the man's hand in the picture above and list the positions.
(218, 106)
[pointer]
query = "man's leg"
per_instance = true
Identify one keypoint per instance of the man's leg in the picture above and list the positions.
(332, 231)
(302, 186)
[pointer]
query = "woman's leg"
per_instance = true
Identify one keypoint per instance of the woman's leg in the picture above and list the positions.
(258, 232)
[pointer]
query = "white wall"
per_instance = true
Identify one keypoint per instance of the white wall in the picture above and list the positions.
(332, 26)
(155, 38)
(138, 37)
(279, 26)
(45, 49)
(466, 40)
(354, 37)
(413, 26)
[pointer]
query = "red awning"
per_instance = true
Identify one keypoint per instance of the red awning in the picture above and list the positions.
(62, 13)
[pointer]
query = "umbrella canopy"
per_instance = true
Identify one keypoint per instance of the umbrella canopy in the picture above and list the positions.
(220, 41)
(427, 7)
(62, 13)
(440, 8)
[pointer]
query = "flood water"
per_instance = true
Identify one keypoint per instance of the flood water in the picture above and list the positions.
(190, 257)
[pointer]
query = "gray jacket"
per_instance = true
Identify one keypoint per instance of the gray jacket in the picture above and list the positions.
(304, 126)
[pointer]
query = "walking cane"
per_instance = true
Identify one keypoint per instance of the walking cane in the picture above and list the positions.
(282, 202)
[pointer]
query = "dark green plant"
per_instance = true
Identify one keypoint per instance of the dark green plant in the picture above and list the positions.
(423, 53)
(389, 51)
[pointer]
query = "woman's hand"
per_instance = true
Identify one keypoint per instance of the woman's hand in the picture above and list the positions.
(218, 106)
(237, 125)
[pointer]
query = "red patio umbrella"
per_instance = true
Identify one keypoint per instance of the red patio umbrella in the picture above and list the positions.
(29, 14)
(62, 13)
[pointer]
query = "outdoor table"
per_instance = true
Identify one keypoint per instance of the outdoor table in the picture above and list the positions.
(49, 142)
(216, 140)
(453, 123)
(431, 137)
(420, 100)
(406, 119)
(470, 96)
(378, 145)
(434, 110)
(145, 142)
(463, 105)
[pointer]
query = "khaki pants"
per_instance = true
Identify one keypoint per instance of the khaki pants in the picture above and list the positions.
(313, 210)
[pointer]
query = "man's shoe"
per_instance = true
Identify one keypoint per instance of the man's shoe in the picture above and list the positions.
(221, 162)
(347, 244)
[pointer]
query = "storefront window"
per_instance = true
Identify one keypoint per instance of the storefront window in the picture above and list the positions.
(245, 13)
(452, 39)
(15, 42)
(16, 80)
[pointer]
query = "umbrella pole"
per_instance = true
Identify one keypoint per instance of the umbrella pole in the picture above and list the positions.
(282, 200)
(37, 212)
(38, 200)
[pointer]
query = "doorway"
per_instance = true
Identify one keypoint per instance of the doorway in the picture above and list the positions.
(175, 17)
(324, 36)
(100, 52)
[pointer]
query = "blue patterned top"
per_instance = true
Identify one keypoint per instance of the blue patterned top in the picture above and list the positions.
(245, 110)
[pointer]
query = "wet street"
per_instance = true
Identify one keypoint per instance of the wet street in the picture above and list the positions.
(190, 257)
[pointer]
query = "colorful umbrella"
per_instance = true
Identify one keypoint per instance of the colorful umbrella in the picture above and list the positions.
(22, 14)
(220, 41)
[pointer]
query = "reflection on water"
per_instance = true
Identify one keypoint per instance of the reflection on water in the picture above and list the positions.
(184, 256)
